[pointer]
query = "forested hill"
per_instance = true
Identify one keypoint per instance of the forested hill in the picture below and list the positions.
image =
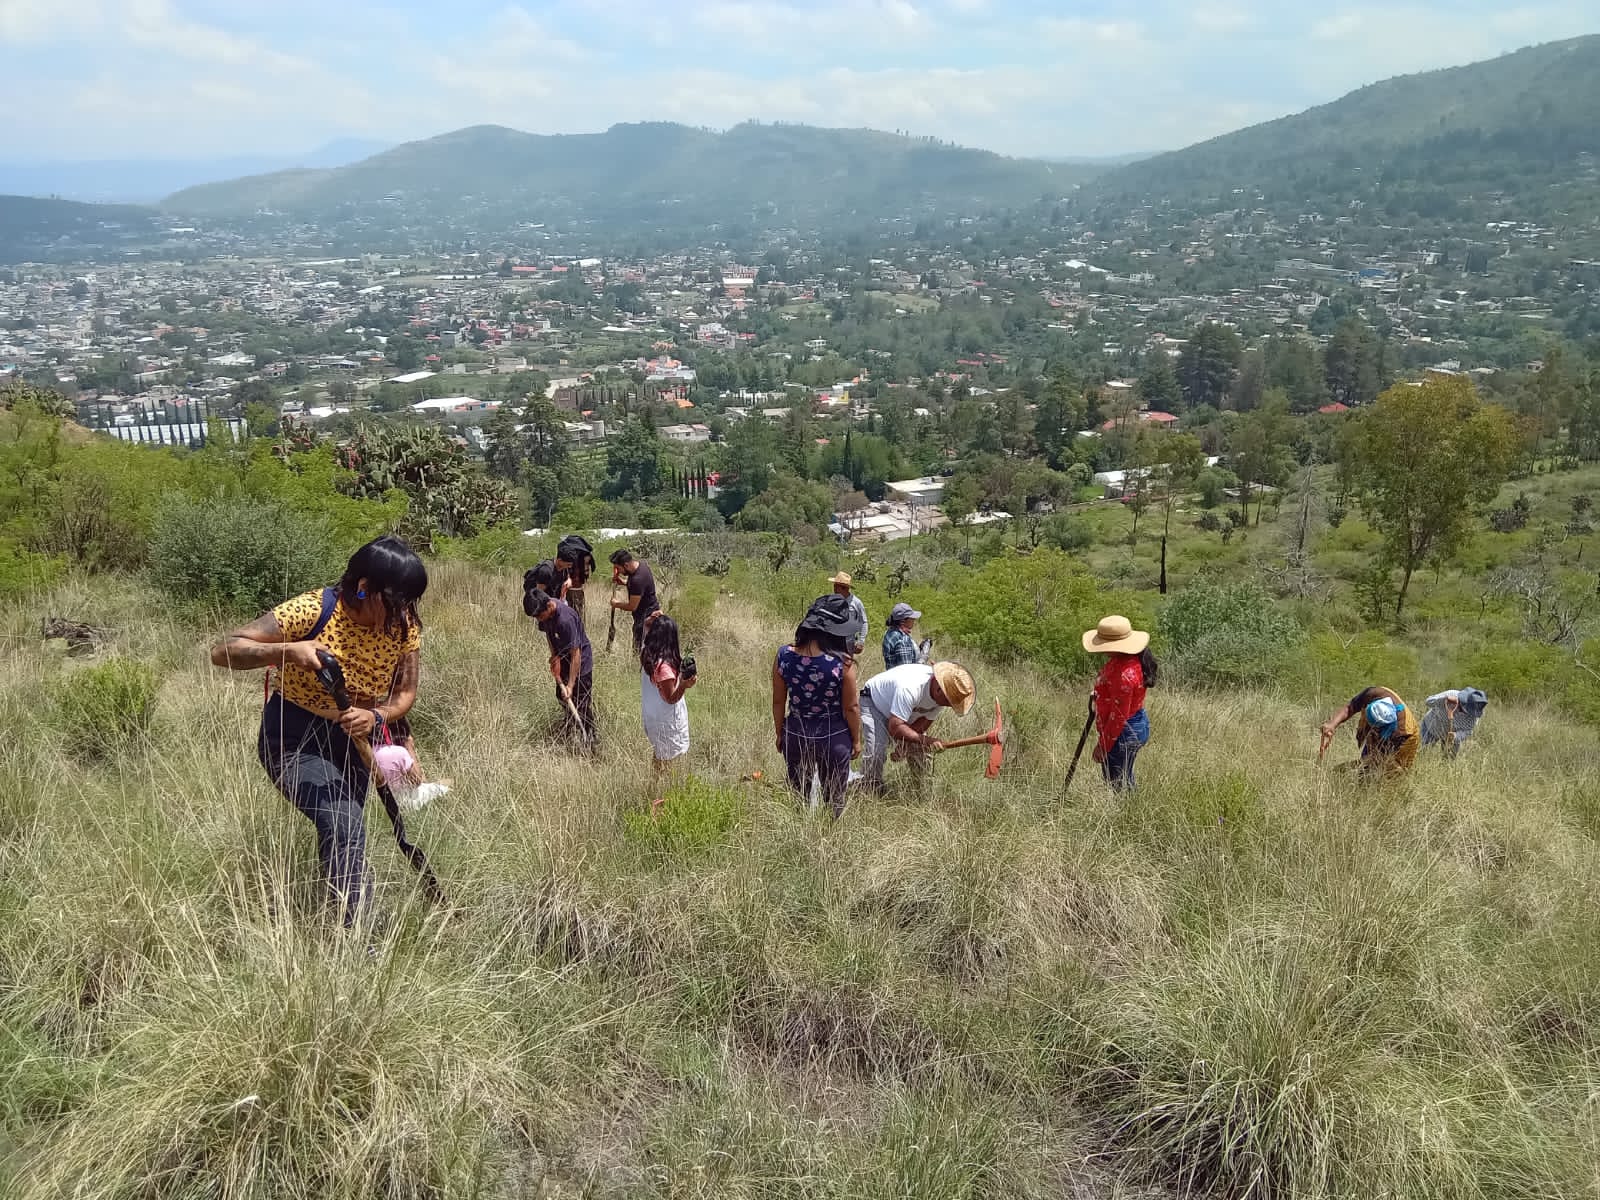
(770, 174)
(1440, 144)
(30, 226)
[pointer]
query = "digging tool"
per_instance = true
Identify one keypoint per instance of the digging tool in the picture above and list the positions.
(331, 676)
(995, 739)
(1078, 753)
(584, 735)
(611, 636)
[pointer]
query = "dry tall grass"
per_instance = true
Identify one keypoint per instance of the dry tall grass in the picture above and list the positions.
(1252, 978)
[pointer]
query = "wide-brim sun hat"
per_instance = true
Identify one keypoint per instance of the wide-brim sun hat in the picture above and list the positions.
(1115, 635)
(831, 614)
(957, 686)
(842, 577)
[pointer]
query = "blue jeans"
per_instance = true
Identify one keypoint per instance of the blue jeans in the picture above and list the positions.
(1118, 764)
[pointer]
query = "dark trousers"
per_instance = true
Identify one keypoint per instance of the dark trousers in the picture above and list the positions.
(583, 701)
(321, 772)
(819, 745)
(1118, 764)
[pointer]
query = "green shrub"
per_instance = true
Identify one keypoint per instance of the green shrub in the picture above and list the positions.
(1512, 670)
(1068, 532)
(1226, 634)
(242, 555)
(1033, 608)
(108, 708)
(22, 571)
(697, 816)
(1332, 667)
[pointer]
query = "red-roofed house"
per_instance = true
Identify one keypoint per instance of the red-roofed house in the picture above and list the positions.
(1334, 409)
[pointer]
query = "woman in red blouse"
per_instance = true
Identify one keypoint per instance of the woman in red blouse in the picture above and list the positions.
(1119, 715)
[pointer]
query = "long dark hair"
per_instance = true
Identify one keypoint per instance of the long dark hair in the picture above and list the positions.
(828, 643)
(1147, 664)
(660, 645)
(395, 574)
(541, 575)
(577, 552)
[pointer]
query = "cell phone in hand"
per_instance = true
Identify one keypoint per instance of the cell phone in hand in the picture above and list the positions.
(688, 666)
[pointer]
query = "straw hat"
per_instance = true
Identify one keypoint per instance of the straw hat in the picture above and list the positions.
(1115, 635)
(844, 578)
(956, 685)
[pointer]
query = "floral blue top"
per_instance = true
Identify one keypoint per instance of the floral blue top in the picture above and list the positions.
(816, 684)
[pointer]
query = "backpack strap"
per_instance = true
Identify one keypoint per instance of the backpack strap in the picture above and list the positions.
(330, 600)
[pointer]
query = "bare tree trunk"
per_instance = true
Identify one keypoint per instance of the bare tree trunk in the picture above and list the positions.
(1163, 584)
(1405, 583)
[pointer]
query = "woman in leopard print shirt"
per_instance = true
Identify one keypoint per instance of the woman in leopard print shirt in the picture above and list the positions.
(306, 744)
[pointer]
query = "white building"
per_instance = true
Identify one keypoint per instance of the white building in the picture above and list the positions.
(454, 404)
(927, 490)
(688, 434)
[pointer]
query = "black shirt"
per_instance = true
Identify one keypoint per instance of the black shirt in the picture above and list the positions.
(564, 631)
(642, 583)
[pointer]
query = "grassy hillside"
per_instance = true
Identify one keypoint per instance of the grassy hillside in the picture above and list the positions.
(769, 172)
(1518, 123)
(1253, 978)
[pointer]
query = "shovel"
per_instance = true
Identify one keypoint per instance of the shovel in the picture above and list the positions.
(331, 677)
(611, 635)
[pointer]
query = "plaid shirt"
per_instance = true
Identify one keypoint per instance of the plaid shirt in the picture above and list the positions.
(899, 649)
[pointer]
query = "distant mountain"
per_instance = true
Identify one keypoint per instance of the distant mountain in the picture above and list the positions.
(30, 228)
(134, 181)
(1438, 144)
(767, 174)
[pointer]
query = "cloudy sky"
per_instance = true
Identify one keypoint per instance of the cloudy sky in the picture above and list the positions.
(192, 78)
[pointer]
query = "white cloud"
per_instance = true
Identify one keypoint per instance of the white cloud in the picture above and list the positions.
(1082, 30)
(1220, 19)
(121, 76)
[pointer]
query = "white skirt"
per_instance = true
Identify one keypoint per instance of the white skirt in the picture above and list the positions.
(666, 725)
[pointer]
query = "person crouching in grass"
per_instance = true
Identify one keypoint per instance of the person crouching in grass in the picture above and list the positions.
(665, 677)
(1386, 733)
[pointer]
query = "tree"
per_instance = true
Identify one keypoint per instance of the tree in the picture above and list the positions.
(1430, 456)
(1292, 365)
(960, 500)
(747, 464)
(1251, 383)
(1352, 363)
(1060, 415)
(1034, 493)
(1259, 449)
(407, 356)
(789, 505)
(1206, 365)
(1158, 383)
(255, 392)
(633, 461)
(1182, 462)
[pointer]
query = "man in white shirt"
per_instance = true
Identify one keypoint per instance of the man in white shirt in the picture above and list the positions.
(843, 585)
(898, 707)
